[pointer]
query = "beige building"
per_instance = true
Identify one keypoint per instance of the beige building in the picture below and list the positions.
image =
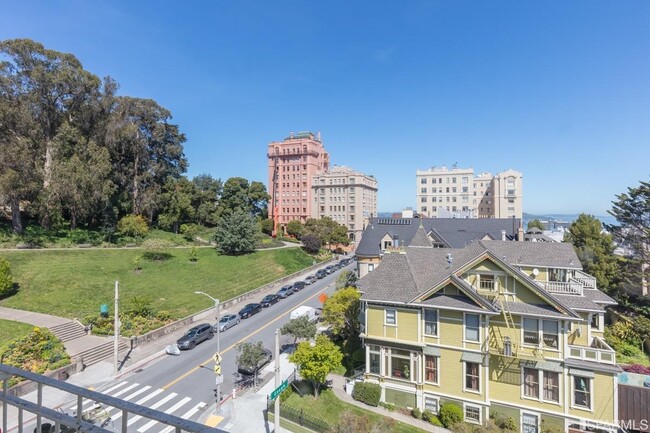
(292, 165)
(458, 193)
(347, 196)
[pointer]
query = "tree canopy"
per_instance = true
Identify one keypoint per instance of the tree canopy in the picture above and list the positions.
(341, 312)
(317, 361)
(235, 234)
(299, 328)
(536, 223)
(327, 230)
(251, 354)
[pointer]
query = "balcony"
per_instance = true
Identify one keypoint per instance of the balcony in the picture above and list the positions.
(599, 351)
(572, 287)
(586, 280)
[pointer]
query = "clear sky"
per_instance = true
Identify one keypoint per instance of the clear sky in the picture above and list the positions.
(559, 90)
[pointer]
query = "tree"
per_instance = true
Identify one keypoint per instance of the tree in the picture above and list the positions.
(207, 191)
(327, 230)
(346, 279)
(317, 361)
(6, 279)
(238, 194)
(133, 225)
(251, 354)
(266, 226)
(176, 203)
(235, 234)
(536, 223)
(294, 228)
(311, 243)
(300, 327)
(632, 213)
(341, 312)
(595, 249)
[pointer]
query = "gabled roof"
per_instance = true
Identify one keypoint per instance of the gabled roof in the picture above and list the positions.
(478, 302)
(453, 232)
(420, 240)
(543, 254)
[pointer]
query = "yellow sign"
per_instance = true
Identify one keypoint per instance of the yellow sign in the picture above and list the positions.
(217, 358)
(217, 369)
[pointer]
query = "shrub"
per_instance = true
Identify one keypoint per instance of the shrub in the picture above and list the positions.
(284, 395)
(155, 249)
(311, 244)
(450, 414)
(389, 406)
(194, 254)
(416, 413)
(133, 225)
(368, 393)
(190, 231)
(434, 420)
(637, 368)
(6, 279)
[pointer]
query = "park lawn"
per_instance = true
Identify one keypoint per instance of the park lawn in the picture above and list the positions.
(328, 407)
(75, 283)
(10, 330)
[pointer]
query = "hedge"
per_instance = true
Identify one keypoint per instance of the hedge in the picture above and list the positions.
(369, 393)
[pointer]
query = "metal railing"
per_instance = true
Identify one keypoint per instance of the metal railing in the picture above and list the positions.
(78, 421)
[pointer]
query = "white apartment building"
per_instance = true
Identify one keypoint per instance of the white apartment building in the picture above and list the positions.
(458, 193)
(347, 196)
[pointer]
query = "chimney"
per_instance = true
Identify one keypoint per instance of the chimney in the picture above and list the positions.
(503, 235)
(520, 234)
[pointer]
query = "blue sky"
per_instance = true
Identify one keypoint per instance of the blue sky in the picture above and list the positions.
(558, 90)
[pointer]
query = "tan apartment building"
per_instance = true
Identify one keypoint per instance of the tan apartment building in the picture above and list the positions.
(347, 196)
(293, 163)
(458, 193)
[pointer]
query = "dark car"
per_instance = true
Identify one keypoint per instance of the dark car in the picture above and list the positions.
(269, 300)
(285, 291)
(344, 262)
(321, 274)
(310, 279)
(249, 310)
(249, 370)
(196, 335)
(298, 286)
(227, 321)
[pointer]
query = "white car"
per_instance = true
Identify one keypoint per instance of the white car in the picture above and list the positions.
(227, 321)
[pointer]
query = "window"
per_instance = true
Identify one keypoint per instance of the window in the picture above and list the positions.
(431, 322)
(471, 327)
(581, 392)
(423, 181)
(400, 362)
(431, 368)
(486, 282)
(431, 404)
(473, 414)
(374, 359)
(391, 317)
(595, 322)
(529, 423)
(551, 383)
(550, 333)
(531, 331)
(423, 190)
(472, 376)
(423, 209)
(531, 382)
(423, 199)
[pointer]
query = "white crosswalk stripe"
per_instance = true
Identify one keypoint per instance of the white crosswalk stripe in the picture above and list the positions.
(107, 391)
(155, 406)
(171, 410)
(187, 415)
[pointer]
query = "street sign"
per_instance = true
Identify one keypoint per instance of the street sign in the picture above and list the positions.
(217, 358)
(218, 380)
(277, 391)
(217, 369)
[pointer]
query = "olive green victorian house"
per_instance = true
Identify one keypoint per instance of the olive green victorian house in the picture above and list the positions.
(512, 328)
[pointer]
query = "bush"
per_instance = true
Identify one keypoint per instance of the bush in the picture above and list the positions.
(133, 226)
(190, 231)
(450, 414)
(6, 279)
(416, 413)
(311, 244)
(434, 420)
(284, 395)
(389, 406)
(155, 249)
(368, 393)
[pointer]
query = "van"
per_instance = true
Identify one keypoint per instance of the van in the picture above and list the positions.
(304, 310)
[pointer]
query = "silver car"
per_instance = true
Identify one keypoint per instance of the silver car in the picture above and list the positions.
(227, 321)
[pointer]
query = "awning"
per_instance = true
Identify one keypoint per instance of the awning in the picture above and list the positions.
(584, 373)
(555, 367)
(431, 351)
(474, 357)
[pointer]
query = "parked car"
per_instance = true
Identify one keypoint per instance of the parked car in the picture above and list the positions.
(226, 322)
(344, 262)
(320, 274)
(285, 291)
(250, 310)
(310, 312)
(310, 279)
(330, 269)
(298, 286)
(249, 370)
(269, 300)
(196, 335)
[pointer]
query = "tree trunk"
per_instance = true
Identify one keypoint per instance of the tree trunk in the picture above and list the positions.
(47, 167)
(315, 385)
(73, 220)
(136, 207)
(16, 219)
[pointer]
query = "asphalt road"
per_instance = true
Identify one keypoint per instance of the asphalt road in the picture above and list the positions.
(191, 377)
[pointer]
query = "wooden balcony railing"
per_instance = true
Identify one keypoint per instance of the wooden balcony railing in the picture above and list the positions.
(599, 351)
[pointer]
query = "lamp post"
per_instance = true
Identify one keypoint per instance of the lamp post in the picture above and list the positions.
(218, 378)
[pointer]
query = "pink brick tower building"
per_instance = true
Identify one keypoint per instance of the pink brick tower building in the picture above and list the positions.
(292, 164)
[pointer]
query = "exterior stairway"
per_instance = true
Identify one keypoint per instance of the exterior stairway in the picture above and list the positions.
(68, 331)
(98, 353)
(90, 348)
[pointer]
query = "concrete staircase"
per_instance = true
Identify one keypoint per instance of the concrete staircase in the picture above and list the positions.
(68, 331)
(99, 353)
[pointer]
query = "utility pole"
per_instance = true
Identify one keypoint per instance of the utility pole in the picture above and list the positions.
(217, 356)
(116, 324)
(277, 380)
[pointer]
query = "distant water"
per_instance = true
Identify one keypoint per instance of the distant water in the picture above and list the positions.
(605, 219)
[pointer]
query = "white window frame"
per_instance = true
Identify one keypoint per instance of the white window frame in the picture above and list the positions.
(523, 330)
(478, 328)
(559, 387)
(531, 414)
(598, 322)
(590, 383)
(434, 398)
(424, 369)
(394, 310)
(540, 386)
(480, 378)
(437, 322)
(540, 334)
(371, 352)
(473, 406)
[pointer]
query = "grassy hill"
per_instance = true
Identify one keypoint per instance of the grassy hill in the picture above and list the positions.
(75, 283)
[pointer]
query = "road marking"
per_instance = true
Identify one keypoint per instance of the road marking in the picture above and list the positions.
(128, 388)
(88, 401)
(213, 420)
(172, 409)
(155, 406)
(204, 363)
(186, 415)
(129, 397)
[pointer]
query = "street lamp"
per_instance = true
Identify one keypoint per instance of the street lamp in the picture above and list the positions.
(218, 379)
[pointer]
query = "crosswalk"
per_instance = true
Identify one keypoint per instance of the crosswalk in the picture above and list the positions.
(159, 399)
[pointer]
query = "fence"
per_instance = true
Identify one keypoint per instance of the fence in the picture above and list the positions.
(304, 419)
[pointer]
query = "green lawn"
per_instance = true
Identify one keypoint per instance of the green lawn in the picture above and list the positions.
(10, 330)
(328, 407)
(74, 283)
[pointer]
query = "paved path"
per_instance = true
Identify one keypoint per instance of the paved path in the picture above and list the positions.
(37, 319)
